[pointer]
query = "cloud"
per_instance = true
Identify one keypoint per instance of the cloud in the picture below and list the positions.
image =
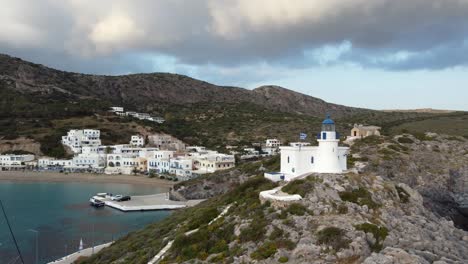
(236, 34)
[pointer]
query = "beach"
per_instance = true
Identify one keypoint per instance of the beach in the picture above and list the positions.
(32, 176)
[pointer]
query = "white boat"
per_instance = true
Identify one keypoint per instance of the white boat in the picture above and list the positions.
(96, 202)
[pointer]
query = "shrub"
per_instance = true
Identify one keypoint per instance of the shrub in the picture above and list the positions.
(297, 209)
(301, 187)
(359, 196)
(283, 259)
(422, 136)
(254, 232)
(402, 194)
(379, 233)
(334, 237)
(342, 209)
(264, 251)
(276, 233)
(405, 140)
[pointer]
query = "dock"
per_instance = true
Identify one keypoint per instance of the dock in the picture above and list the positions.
(149, 203)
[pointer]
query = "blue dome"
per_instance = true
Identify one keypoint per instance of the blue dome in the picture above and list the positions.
(328, 121)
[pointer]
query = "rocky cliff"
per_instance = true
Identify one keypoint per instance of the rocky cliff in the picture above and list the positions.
(435, 165)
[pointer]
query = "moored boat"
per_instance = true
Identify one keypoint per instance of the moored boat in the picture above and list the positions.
(96, 202)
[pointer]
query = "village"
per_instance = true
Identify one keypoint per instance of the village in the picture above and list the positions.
(168, 157)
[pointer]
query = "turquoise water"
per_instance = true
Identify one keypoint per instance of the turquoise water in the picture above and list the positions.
(62, 215)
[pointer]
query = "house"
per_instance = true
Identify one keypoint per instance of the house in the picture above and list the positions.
(360, 131)
(9, 161)
(89, 161)
(125, 164)
(159, 162)
(300, 158)
(116, 109)
(76, 139)
(48, 163)
(212, 162)
(272, 143)
(137, 141)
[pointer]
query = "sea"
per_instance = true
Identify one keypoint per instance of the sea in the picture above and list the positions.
(48, 220)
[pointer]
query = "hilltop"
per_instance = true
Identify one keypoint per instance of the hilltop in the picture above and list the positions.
(146, 92)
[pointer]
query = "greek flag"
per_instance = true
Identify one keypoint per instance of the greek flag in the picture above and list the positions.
(302, 136)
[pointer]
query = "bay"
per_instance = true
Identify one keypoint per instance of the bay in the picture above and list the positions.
(61, 214)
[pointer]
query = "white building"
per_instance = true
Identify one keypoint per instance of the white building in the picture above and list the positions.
(300, 158)
(212, 162)
(76, 139)
(125, 164)
(272, 143)
(116, 109)
(160, 161)
(89, 161)
(15, 161)
(45, 163)
(137, 141)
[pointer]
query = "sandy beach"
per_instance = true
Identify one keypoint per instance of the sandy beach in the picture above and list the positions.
(31, 176)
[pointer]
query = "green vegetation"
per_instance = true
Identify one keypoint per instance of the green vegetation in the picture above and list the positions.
(264, 251)
(342, 209)
(402, 194)
(283, 259)
(405, 140)
(359, 196)
(379, 233)
(296, 209)
(334, 237)
(452, 124)
(302, 186)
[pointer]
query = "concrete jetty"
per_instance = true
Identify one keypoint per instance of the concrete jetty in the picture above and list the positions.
(83, 253)
(149, 203)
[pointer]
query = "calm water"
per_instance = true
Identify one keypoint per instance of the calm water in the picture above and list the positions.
(62, 215)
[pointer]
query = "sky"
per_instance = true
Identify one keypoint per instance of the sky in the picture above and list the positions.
(380, 54)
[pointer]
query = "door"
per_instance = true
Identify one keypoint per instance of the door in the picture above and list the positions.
(324, 136)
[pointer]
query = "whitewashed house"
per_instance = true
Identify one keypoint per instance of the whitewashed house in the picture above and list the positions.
(300, 158)
(208, 163)
(116, 109)
(125, 164)
(272, 143)
(182, 167)
(137, 141)
(15, 161)
(159, 162)
(76, 139)
(47, 163)
(89, 161)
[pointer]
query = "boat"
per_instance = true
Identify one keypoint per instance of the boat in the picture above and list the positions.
(96, 202)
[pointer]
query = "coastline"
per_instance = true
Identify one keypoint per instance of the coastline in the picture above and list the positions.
(32, 176)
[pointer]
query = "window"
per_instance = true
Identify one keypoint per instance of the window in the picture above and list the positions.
(288, 159)
(312, 159)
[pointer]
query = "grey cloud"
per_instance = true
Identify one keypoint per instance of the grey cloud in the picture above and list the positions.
(107, 36)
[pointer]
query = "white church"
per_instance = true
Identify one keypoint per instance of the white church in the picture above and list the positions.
(300, 158)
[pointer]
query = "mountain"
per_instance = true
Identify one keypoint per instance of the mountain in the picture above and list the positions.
(146, 91)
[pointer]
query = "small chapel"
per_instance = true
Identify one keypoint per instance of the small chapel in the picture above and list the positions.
(299, 158)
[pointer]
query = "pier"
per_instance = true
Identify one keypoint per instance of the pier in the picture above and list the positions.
(149, 203)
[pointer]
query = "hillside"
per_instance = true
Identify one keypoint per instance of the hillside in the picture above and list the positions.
(366, 217)
(39, 104)
(146, 92)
